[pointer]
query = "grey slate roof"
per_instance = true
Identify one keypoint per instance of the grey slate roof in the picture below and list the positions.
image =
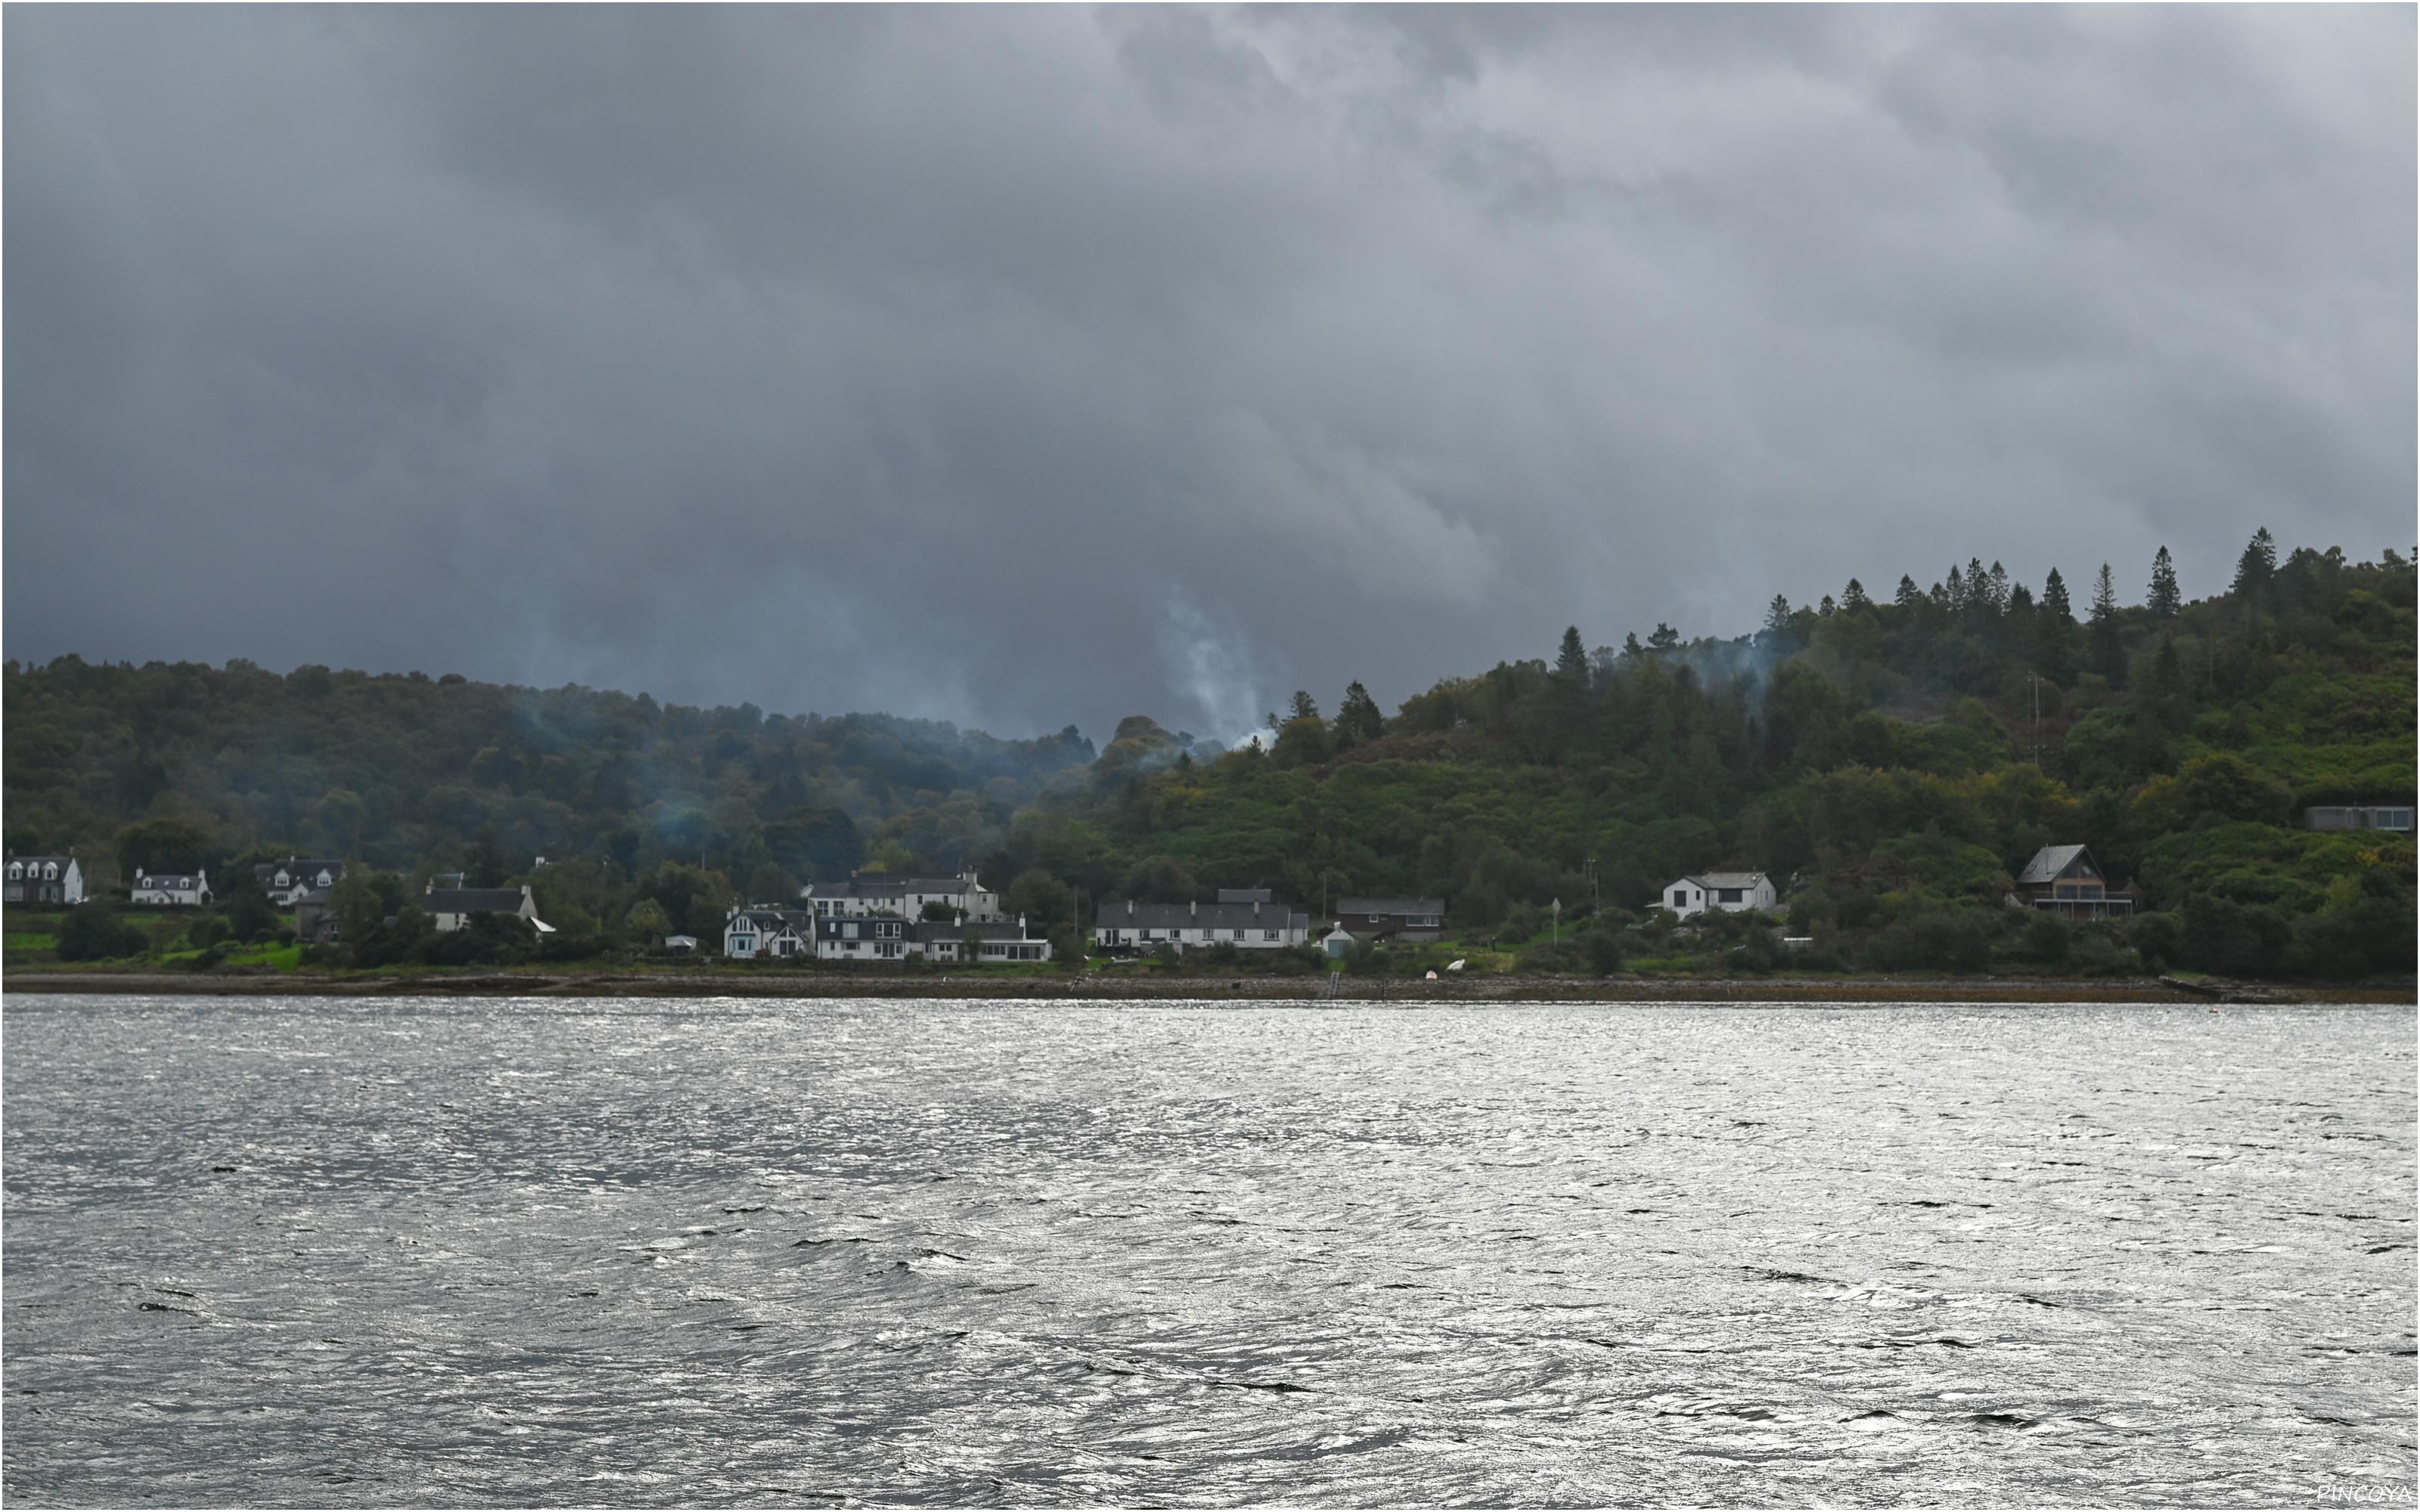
(1246, 895)
(298, 867)
(2048, 863)
(769, 921)
(1346, 906)
(933, 931)
(1711, 880)
(473, 900)
(60, 861)
(883, 885)
(175, 881)
(1202, 916)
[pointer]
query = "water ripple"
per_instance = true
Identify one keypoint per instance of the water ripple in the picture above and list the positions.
(740, 1252)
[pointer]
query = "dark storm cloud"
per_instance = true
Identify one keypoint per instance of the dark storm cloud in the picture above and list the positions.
(1019, 367)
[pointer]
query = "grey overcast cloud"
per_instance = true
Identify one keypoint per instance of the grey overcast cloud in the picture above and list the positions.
(1021, 366)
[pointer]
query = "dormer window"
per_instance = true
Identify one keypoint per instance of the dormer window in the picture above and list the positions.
(16, 872)
(50, 872)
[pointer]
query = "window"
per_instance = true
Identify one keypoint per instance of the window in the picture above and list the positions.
(1239, 934)
(1727, 895)
(848, 931)
(15, 870)
(2394, 819)
(886, 948)
(1424, 922)
(1680, 898)
(886, 931)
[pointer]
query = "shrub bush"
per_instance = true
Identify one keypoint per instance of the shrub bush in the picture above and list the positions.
(93, 932)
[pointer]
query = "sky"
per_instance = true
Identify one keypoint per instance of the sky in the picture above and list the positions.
(1033, 366)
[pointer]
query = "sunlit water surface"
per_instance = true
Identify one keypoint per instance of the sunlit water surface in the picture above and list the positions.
(462, 1252)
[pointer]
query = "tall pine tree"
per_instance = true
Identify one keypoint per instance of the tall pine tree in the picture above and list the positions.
(2164, 602)
(2055, 632)
(1570, 661)
(2108, 651)
(2255, 572)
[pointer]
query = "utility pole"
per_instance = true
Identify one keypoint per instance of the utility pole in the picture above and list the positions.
(2037, 677)
(1596, 901)
(1557, 937)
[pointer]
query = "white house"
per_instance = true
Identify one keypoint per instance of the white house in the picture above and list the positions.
(44, 879)
(866, 894)
(286, 881)
(1245, 918)
(190, 889)
(779, 933)
(885, 939)
(1733, 892)
(452, 908)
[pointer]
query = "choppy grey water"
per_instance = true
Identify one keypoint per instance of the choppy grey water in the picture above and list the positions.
(478, 1251)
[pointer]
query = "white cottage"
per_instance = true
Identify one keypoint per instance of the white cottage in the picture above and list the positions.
(867, 894)
(287, 881)
(453, 908)
(777, 933)
(1733, 892)
(44, 879)
(187, 889)
(1247, 919)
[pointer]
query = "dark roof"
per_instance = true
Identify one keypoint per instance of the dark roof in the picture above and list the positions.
(1389, 906)
(317, 896)
(1711, 880)
(769, 920)
(935, 929)
(473, 900)
(1197, 915)
(882, 884)
(176, 880)
(297, 866)
(1246, 895)
(2049, 863)
(445, 879)
(41, 860)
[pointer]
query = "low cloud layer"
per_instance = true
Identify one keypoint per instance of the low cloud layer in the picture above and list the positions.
(1028, 366)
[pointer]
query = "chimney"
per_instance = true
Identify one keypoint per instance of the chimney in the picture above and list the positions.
(1130, 908)
(1193, 909)
(1256, 908)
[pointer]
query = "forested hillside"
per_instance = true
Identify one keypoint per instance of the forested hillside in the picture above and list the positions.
(1899, 756)
(410, 773)
(1892, 760)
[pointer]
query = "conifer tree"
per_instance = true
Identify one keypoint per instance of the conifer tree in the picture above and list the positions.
(2108, 652)
(2163, 601)
(2255, 571)
(1665, 638)
(1854, 596)
(1776, 618)
(1358, 717)
(2055, 632)
(1571, 662)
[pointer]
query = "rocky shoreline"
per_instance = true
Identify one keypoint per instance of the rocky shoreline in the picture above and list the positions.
(1101, 986)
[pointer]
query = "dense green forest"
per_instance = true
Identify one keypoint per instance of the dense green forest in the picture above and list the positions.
(1892, 758)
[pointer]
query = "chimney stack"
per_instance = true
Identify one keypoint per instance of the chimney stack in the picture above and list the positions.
(1193, 909)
